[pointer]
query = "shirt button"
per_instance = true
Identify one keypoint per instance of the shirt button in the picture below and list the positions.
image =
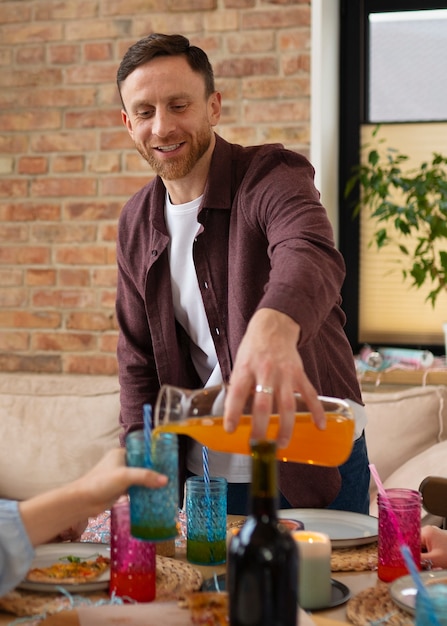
(217, 331)
(205, 284)
(154, 253)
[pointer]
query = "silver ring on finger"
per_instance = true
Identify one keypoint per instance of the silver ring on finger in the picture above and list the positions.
(264, 389)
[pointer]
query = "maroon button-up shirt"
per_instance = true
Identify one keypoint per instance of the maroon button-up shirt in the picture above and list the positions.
(266, 242)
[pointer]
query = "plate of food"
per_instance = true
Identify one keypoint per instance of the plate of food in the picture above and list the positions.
(403, 590)
(76, 567)
(345, 528)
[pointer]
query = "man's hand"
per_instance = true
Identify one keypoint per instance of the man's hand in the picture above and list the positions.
(268, 360)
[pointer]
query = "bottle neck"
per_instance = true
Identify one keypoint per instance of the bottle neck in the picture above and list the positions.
(264, 489)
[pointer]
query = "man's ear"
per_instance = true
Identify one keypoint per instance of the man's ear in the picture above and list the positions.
(127, 123)
(215, 107)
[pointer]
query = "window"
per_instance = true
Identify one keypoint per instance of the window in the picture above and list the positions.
(391, 59)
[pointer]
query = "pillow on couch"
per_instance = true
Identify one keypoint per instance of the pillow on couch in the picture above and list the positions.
(403, 424)
(53, 428)
(430, 462)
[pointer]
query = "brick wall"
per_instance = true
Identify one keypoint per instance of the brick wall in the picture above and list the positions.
(67, 165)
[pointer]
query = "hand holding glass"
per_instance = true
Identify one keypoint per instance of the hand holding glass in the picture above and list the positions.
(153, 512)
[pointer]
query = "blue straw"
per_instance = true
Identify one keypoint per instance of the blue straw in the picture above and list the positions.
(206, 466)
(147, 418)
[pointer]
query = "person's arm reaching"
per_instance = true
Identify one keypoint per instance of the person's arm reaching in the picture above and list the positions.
(46, 515)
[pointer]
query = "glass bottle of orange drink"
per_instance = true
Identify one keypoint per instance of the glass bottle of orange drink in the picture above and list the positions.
(199, 414)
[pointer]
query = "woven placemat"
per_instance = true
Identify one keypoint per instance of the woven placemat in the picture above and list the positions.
(376, 606)
(361, 559)
(174, 580)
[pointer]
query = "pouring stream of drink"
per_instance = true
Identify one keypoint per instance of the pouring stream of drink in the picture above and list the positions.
(405, 550)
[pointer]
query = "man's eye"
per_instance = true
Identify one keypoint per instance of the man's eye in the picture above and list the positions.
(145, 113)
(178, 107)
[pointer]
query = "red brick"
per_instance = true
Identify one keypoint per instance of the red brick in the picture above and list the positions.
(93, 119)
(25, 255)
(93, 210)
(90, 320)
(59, 187)
(122, 185)
(13, 188)
(64, 142)
(30, 55)
(34, 363)
(63, 298)
(72, 163)
(11, 277)
(74, 277)
(28, 319)
(50, 10)
(104, 277)
(64, 54)
(33, 165)
(29, 211)
(107, 342)
(88, 364)
(108, 232)
(63, 342)
(98, 51)
(13, 297)
(81, 255)
(14, 233)
(27, 120)
(40, 277)
(14, 341)
(64, 233)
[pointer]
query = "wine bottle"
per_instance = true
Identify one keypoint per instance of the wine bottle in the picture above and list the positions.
(262, 568)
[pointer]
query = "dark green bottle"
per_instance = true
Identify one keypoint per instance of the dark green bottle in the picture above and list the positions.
(262, 568)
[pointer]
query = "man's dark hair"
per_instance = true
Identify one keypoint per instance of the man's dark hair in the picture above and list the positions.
(157, 45)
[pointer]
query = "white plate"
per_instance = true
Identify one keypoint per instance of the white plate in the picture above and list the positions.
(50, 553)
(345, 529)
(403, 590)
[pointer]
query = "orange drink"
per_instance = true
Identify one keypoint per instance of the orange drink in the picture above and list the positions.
(329, 447)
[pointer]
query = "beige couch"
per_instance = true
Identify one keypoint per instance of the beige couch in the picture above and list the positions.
(407, 436)
(54, 427)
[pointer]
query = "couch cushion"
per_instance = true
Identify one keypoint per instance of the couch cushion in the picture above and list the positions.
(403, 424)
(53, 428)
(430, 462)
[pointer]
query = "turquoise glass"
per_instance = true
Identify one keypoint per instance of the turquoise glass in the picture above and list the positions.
(154, 512)
(206, 520)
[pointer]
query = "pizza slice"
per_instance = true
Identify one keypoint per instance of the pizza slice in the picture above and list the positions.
(70, 570)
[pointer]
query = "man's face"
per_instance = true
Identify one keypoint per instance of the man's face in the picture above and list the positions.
(168, 115)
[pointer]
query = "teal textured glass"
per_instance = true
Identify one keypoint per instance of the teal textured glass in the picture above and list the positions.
(438, 604)
(206, 520)
(154, 512)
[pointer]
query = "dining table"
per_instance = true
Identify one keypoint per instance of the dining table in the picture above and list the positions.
(170, 613)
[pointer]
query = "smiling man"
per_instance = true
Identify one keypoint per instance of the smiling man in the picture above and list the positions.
(227, 272)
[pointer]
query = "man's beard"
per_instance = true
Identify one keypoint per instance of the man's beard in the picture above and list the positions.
(178, 167)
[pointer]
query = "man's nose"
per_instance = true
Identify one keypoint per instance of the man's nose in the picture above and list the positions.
(162, 123)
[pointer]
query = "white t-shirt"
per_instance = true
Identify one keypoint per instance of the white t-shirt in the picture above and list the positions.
(183, 227)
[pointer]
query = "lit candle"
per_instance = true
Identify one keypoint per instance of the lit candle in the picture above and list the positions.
(314, 572)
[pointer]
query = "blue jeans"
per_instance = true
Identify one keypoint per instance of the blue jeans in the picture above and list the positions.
(355, 476)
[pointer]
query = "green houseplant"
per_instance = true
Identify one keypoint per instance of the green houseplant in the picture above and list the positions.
(410, 210)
